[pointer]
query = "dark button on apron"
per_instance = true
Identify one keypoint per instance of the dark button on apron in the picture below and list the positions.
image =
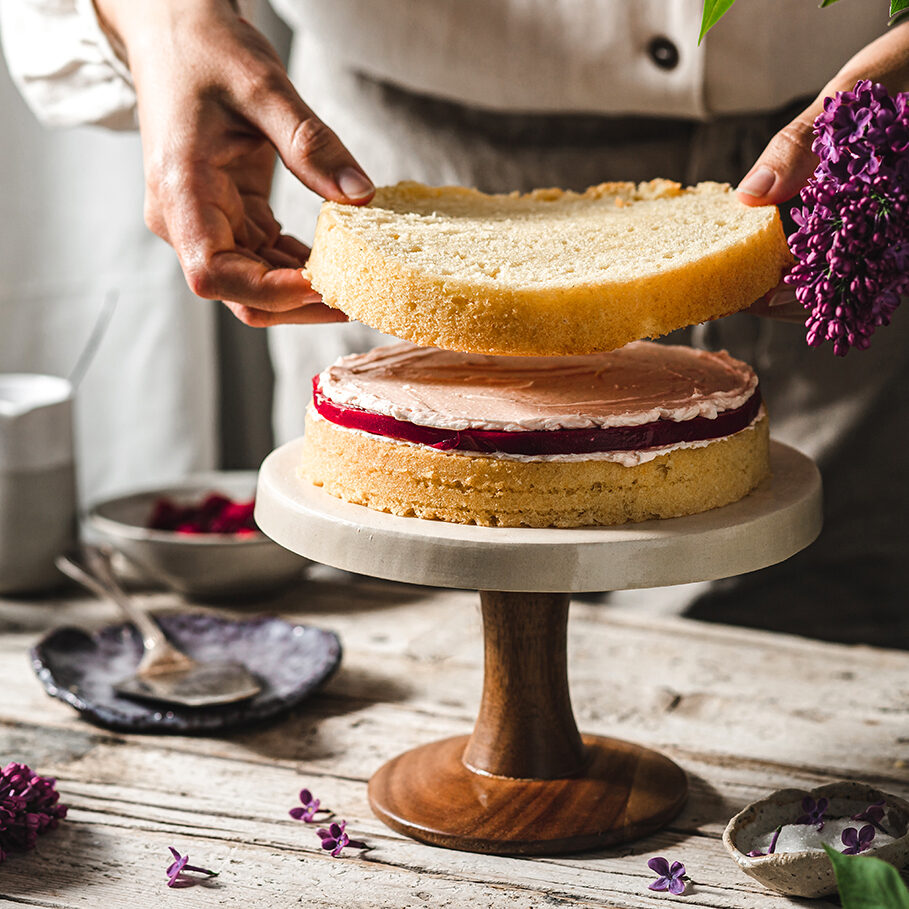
(663, 52)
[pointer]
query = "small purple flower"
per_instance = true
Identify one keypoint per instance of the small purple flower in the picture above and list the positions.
(814, 812)
(857, 841)
(179, 866)
(334, 839)
(873, 815)
(29, 806)
(671, 877)
(310, 808)
(771, 848)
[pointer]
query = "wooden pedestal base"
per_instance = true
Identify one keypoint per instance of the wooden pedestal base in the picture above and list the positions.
(526, 782)
(624, 793)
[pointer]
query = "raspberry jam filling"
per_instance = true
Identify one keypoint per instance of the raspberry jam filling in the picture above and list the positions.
(658, 434)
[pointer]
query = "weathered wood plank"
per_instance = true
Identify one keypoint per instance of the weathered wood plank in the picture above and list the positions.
(742, 711)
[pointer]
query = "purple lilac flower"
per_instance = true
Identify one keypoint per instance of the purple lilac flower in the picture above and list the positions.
(177, 869)
(852, 244)
(814, 812)
(671, 878)
(771, 848)
(310, 808)
(334, 839)
(29, 805)
(857, 841)
(873, 815)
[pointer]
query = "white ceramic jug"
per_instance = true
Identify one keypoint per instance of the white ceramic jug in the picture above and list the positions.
(37, 480)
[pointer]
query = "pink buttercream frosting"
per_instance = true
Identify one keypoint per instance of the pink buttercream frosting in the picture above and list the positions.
(640, 383)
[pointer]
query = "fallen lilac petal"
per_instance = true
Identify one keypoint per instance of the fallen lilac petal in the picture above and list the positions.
(873, 814)
(334, 831)
(773, 840)
(179, 866)
(671, 878)
(335, 839)
(857, 841)
(311, 807)
(659, 865)
(814, 812)
(199, 870)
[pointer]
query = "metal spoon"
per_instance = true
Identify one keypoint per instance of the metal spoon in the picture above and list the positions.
(164, 673)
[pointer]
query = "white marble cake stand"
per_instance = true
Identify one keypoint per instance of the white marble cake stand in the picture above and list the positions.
(526, 781)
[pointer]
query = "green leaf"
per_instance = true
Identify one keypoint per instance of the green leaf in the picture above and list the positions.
(714, 10)
(899, 9)
(828, 3)
(868, 883)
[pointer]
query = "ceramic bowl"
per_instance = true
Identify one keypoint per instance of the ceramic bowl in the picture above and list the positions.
(205, 565)
(290, 661)
(810, 873)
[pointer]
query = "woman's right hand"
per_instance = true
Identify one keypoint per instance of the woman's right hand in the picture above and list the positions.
(215, 105)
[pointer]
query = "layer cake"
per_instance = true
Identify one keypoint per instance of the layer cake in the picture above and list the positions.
(645, 431)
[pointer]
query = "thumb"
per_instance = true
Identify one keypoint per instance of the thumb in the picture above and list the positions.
(785, 164)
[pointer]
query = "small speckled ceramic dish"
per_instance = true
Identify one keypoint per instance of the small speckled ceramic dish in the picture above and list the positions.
(204, 565)
(290, 661)
(810, 873)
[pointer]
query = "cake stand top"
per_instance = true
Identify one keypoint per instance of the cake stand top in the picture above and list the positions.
(782, 516)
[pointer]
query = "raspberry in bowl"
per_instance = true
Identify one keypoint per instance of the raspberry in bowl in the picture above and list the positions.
(197, 536)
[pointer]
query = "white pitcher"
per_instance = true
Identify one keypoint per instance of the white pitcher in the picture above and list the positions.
(37, 480)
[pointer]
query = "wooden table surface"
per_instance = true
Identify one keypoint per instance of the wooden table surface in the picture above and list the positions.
(743, 712)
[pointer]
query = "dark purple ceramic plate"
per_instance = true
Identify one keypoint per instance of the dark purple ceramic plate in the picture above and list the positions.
(290, 660)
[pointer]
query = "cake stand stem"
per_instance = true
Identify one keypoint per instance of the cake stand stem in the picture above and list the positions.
(526, 727)
(525, 781)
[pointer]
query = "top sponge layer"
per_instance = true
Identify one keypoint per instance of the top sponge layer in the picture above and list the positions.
(547, 273)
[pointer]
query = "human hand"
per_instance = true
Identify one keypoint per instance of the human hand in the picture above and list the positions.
(215, 106)
(788, 161)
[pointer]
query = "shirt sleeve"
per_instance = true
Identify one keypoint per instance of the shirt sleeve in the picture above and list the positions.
(63, 64)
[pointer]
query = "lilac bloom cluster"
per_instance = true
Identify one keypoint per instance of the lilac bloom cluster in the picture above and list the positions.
(29, 805)
(852, 242)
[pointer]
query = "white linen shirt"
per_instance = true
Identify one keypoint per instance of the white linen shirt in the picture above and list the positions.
(593, 56)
